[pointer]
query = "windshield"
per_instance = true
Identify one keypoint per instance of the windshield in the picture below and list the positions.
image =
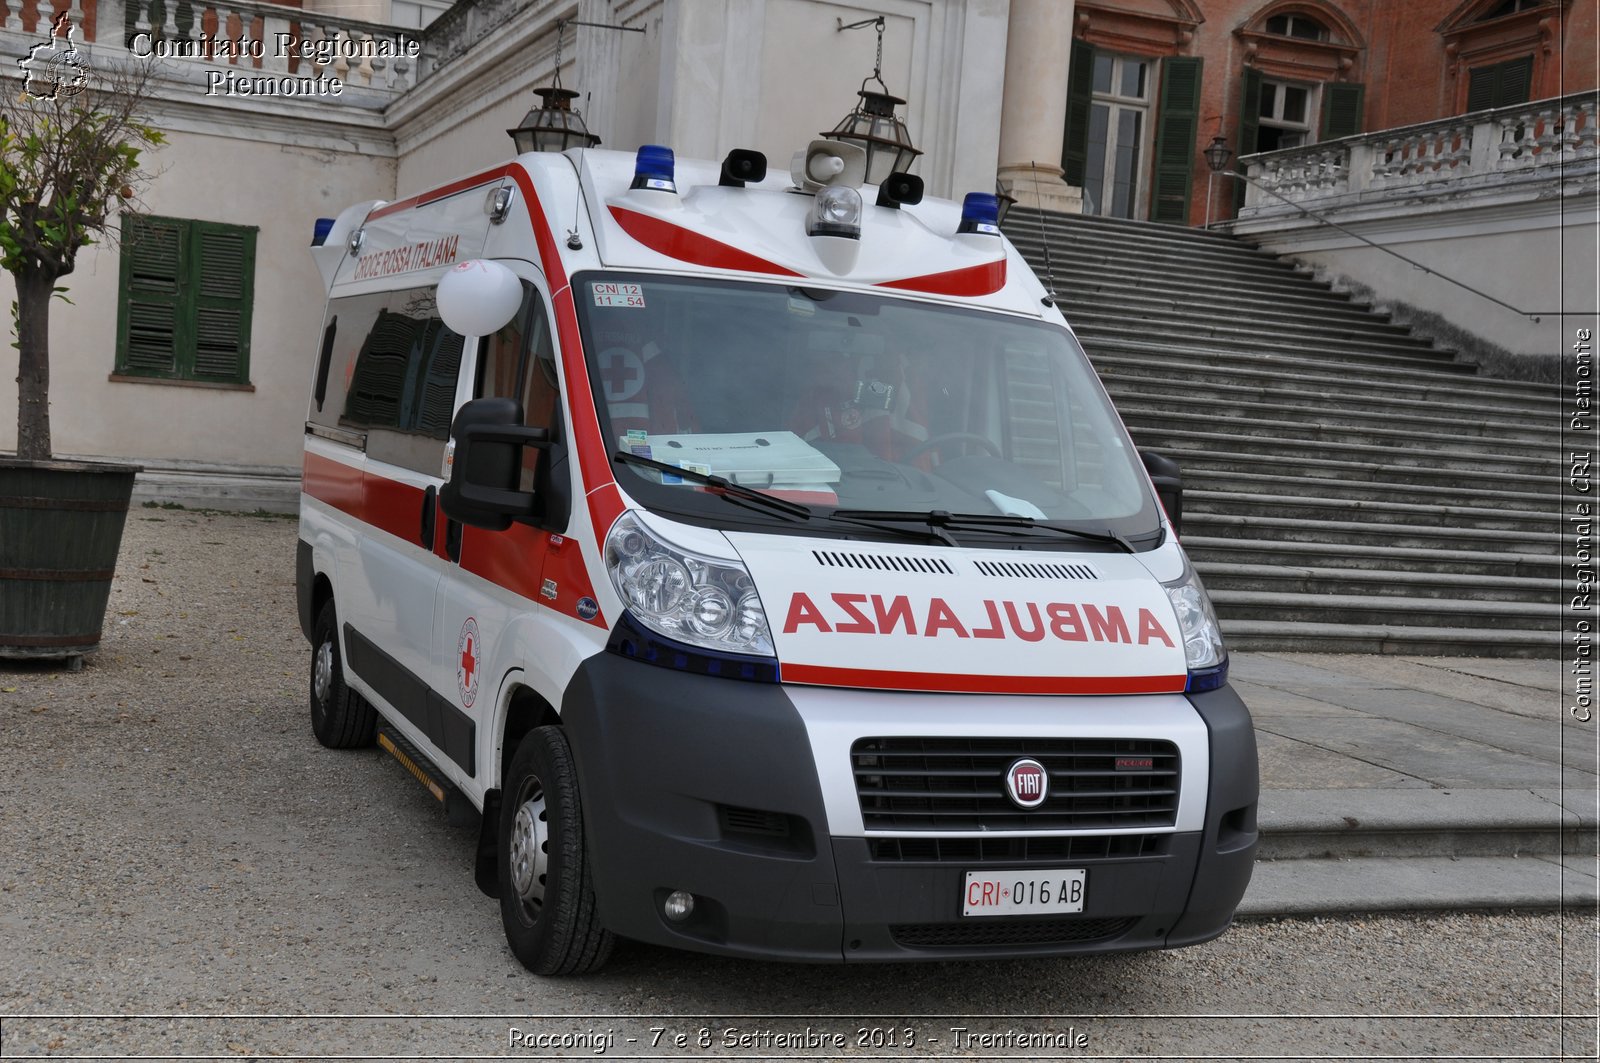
(873, 412)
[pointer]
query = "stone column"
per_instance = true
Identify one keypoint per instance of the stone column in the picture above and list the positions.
(1033, 108)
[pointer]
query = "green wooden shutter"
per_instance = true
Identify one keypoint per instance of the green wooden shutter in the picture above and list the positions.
(1176, 128)
(1480, 88)
(1249, 126)
(1080, 95)
(223, 286)
(1515, 83)
(1341, 110)
(150, 319)
(1501, 85)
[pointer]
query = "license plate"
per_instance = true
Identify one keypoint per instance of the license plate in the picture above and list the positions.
(1024, 892)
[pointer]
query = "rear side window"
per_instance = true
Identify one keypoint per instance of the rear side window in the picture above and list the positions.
(390, 374)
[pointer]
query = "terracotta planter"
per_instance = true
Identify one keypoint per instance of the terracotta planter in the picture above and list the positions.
(60, 528)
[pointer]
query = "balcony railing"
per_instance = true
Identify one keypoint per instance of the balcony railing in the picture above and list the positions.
(1483, 148)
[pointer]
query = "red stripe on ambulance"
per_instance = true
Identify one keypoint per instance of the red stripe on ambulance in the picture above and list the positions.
(959, 683)
(971, 280)
(686, 245)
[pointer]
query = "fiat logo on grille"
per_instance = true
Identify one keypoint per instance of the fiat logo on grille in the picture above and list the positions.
(1027, 783)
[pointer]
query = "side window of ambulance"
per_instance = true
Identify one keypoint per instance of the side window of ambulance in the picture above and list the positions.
(519, 362)
(392, 371)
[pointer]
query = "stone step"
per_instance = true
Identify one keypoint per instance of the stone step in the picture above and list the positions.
(1026, 222)
(1308, 637)
(1268, 313)
(1197, 477)
(1427, 464)
(1131, 361)
(1210, 549)
(1092, 247)
(1290, 349)
(1259, 424)
(1130, 228)
(1226, 461)
(1099, 339)
(1304, 579)
(1384, 610)
(1355, 409)
(1245, 328)
(1299, 888)
(1356, 824)
(1393, 536)
(1292, 288)
(1310, 507)
(1069, 278)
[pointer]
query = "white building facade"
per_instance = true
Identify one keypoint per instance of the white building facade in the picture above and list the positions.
(703, 77)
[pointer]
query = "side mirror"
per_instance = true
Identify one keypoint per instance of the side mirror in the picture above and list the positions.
(484, 477)
(1169, 485)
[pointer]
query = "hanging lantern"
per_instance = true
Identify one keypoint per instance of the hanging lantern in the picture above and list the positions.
(553, 125)
(873, 125)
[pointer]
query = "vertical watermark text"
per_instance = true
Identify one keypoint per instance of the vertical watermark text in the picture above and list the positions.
(1579, 526)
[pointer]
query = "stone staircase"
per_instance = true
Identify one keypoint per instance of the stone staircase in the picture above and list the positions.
(1348, 486)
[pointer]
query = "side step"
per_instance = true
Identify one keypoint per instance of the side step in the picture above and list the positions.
(458, 809)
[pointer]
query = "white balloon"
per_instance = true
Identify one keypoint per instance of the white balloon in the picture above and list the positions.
(478, 297)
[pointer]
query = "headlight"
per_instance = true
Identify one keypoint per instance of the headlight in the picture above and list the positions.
(704, 602)
(1197, 621)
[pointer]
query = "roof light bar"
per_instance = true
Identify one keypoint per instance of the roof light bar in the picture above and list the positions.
(980, 213)
(653, 168)
(835, 212)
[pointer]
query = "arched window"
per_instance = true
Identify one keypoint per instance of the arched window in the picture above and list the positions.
(1304, 27)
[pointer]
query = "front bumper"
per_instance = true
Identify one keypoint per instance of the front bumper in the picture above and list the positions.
(709, 785)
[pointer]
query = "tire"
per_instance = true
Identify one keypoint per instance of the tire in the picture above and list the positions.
(546, 890)
(340, 718)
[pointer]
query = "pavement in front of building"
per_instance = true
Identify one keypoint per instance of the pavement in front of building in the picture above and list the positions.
(1419, 782)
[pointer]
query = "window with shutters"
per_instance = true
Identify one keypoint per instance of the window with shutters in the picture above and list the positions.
(185, 300)
(1500, 84)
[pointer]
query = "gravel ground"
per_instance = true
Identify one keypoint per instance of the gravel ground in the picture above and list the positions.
(173, 842)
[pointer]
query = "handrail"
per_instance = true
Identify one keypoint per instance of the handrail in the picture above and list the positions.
(1533, 315)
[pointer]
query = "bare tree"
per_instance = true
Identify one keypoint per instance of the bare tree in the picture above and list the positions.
(70, 145)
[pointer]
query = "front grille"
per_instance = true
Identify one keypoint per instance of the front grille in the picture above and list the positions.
(910, 784)
(992, 933)
(1017, 850)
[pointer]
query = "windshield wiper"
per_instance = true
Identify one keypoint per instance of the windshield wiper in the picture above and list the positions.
(886, 520)
(733, 492)
(938, 520)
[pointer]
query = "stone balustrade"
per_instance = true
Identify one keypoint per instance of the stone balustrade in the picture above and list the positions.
(201, 41)
(1436, 157)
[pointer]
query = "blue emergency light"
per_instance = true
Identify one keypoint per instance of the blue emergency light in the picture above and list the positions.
(653, 169)
(320, 236)
(980, 213)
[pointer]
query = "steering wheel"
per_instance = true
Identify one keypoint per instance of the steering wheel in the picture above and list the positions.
(938, 442)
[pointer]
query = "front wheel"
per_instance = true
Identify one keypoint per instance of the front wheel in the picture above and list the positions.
(546, 891)
(340, 718)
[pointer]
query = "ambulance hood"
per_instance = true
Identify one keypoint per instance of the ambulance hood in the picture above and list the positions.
(909, 617)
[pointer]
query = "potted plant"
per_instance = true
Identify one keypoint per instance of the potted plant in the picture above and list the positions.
(70, 144)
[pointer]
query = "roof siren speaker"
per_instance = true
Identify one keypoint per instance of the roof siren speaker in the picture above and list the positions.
(827, 163)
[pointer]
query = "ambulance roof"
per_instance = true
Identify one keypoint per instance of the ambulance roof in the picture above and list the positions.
(760, 231)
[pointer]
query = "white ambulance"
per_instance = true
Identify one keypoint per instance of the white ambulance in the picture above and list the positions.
(761, 557)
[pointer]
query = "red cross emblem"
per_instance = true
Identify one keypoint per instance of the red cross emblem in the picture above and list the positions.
(467, 666)
(621, 374)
